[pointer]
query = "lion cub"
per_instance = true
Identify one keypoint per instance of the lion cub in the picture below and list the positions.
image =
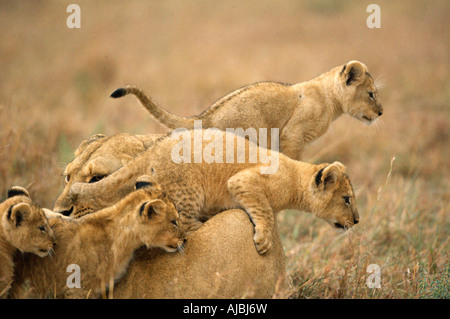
(24, 227)
(101, 245)
(302, 112)
(201, 190)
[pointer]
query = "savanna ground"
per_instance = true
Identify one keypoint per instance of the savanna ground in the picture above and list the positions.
(55, 83)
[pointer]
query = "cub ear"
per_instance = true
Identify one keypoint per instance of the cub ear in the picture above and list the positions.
(341, 166)
(49, 214)
(146, 181)
(18, 213)
(328, 176)
(88, 141)
(151, 208)
(18, 191)
(353, 73)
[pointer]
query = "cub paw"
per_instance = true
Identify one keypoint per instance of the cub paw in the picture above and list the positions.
(262, 241)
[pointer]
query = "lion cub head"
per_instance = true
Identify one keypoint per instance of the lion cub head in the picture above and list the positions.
(24, 224)
(157, 221)
(333, 198)
(359, 94)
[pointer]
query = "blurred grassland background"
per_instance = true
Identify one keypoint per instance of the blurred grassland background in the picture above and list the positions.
(55, 84)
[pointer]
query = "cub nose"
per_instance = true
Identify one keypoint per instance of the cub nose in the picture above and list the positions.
(380, 110)
(355, 221)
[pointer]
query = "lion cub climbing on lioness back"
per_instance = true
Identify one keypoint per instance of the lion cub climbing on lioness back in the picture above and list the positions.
(101, 245)
(302, 112)
(203, 189)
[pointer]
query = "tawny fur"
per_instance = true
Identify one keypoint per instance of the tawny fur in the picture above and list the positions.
(302, 112)
(23, 227)
(200, 190)
(99, 156)
(220, 259)
(102, 245)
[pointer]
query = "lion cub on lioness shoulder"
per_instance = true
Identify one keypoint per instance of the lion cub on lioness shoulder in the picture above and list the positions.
(23, 227)
(101, 245)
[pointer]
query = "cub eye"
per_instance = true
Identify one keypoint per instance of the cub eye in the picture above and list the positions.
(42, 228)
(96, 178)
(347, 199)
(371, 95)
(174, 222)
(67, 179)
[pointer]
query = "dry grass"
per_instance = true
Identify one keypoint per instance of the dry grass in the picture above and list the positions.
(55, 84)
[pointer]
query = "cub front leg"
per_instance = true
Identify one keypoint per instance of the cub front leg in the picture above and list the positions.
(292, 142)
(292, 148)
(189, 221)
(51, 214)
(246, 189)
(188, 206)
(188, 201)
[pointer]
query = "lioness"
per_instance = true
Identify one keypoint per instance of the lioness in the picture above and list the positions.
(101, 246)
(302, 112)
(24, 227)
(200, 190)
(219, 260)
(99, 156)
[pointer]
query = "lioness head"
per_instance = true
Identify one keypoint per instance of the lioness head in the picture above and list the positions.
(359, 94)
(333, 198)
(156, 221)
(97, 157)
(25, 224)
